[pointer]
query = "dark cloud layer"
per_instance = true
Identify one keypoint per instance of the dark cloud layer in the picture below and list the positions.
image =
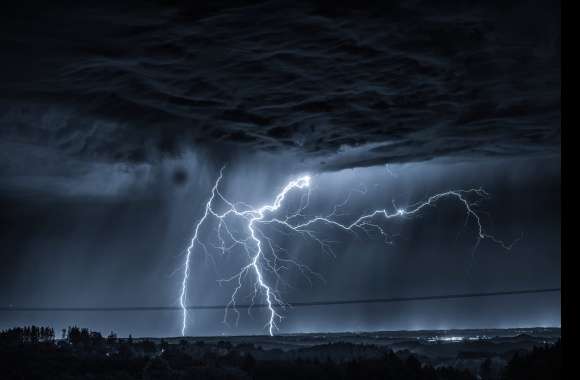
(406, 81)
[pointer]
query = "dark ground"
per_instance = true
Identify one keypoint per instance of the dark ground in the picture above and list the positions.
(31, 353)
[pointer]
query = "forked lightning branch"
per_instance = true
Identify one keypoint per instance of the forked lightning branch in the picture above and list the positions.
(264, 258)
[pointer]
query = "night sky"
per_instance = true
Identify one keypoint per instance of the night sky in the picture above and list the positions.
(116, 117)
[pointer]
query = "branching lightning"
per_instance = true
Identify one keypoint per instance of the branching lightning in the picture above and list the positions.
(263, 254)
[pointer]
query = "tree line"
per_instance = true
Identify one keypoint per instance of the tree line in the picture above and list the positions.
(27, 334)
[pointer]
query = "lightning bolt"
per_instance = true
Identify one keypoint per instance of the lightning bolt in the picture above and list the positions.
(263, 255)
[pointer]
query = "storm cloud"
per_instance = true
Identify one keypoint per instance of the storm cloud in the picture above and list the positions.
(403, 82)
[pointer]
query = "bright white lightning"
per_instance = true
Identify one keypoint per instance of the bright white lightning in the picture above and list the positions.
(194, 240)
(262, 251)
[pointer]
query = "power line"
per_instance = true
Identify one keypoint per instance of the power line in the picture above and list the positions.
(295, 304)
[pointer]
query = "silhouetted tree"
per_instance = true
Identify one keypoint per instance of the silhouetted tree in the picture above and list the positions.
(27, 334)
(74, 335)
(112, 338)
(541, 363)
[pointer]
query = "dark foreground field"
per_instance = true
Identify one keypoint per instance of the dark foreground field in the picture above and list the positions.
(34, 353)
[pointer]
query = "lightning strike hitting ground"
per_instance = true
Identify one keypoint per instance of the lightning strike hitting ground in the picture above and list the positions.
(263, 254)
